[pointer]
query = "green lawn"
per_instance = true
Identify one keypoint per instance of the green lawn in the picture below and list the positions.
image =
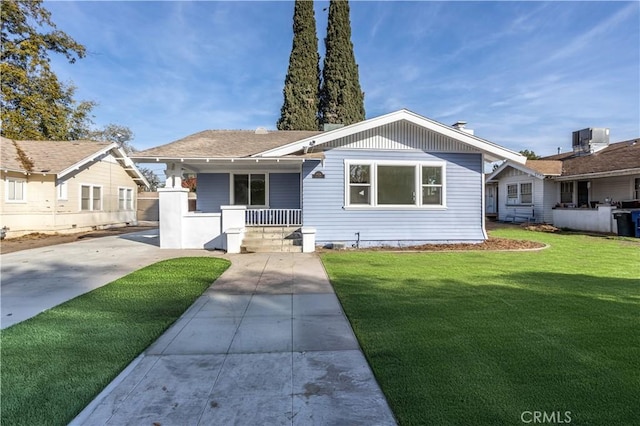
(481, 337)
(54, 364)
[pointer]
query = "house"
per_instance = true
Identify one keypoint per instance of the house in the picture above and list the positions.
(397, 179)
(578, 189)
(66, 186)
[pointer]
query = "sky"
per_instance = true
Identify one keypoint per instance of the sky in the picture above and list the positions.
(524, 75)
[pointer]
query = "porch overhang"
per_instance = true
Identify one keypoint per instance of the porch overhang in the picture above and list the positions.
(218, 164)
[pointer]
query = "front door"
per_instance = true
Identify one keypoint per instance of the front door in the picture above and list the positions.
(490, 200)
(583, 193)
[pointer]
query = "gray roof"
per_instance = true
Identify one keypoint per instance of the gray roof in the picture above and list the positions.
(225, 144)
(45, 156)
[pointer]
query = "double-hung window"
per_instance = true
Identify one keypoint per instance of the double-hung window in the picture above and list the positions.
(125, 199)
(526, 194)
(566, 192)
(16, 190)
(520, 193)
(90, 198)
(250, 189)
(394, 184)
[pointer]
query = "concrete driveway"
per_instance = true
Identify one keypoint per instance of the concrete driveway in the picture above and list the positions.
(39, 279)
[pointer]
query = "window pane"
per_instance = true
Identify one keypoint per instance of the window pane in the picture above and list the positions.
(359, 173)
(432, 176)
(258, 190)
(12, 190)
(121, 199)
(359, 194)
(525, 193)
(96, 197)
(396, 184)
(241, 189)
(432, 195)
(86, 197)
(130, 199)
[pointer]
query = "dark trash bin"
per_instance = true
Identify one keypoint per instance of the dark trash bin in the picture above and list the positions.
(635, 222)
(625, 226)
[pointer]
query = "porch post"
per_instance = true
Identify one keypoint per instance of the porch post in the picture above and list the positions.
(173, 205)
(308, 239)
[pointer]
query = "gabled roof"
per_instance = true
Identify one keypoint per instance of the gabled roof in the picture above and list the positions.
(237, 144)
(224, 144)
(617, 156)
(491, 150)
(60, 157)
(536, 168)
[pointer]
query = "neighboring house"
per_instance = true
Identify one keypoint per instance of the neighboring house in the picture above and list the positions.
(577, 189)
(66, 186)
(398, 179)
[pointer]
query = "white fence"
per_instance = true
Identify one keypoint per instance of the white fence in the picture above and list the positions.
(273, 217)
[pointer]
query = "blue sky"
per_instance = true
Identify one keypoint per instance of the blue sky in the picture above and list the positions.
(522, 74)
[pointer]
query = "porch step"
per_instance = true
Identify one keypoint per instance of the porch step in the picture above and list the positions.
(272, 239)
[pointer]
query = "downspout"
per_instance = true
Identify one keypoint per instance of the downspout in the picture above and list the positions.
(483, 201)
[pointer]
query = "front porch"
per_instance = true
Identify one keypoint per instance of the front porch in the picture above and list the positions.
(598, 219)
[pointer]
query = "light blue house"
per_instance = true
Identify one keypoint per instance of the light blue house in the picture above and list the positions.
(398, 179)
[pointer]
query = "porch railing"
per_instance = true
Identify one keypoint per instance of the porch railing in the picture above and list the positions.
(273, 217)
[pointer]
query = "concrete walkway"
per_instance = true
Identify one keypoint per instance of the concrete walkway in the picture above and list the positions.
(39, 279)
(267, 344)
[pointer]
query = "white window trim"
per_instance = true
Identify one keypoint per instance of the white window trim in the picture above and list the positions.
(23, 200)
(62, 190)
(91, 186)
(518, 199)
(232, 197)
(573, 191)
(373, 164)
(128, 200)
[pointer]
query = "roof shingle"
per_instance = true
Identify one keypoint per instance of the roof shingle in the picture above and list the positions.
(617, 156)
(46, 156)
(224, 144)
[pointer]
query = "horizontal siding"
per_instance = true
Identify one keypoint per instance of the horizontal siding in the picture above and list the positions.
(616, 188)
(284, 190)
(213, 192)
(323, 202)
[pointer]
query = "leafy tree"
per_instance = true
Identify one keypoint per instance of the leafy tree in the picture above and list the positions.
(341, 99)
(34, 103)
(302, 83)
(530, 154)
(122, 135)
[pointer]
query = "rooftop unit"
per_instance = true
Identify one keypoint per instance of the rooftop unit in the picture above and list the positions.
(588, 141)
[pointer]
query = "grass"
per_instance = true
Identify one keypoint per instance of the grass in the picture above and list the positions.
(54, 364)
(481, 337)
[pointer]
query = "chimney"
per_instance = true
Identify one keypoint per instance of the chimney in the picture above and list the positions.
(459, 125)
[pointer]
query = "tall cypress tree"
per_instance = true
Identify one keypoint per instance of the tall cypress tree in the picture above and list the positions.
(341, 99)
(302, 84)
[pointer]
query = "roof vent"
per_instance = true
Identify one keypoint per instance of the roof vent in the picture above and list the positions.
(261, 131)
(459, 125)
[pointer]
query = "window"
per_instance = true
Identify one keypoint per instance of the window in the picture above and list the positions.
(398, 184)
(636, 185)
(16, 190)
(125, 199)
(566, 192)
(359, 184)
(63, 191)
(520, 193)
(432, 185)
(90, 197)
(250, 189)
(525, 193)
(512, 194)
